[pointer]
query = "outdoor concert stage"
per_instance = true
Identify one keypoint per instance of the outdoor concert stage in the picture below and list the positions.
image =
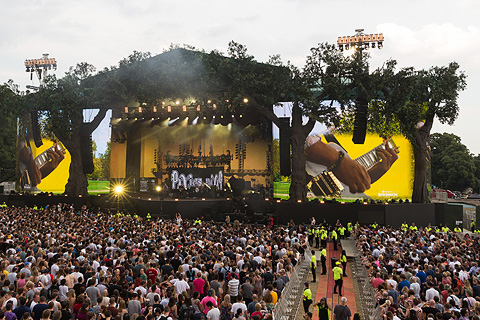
(258, 210)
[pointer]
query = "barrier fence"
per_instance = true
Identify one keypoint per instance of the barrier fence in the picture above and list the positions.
(292, 294)
(365, 300)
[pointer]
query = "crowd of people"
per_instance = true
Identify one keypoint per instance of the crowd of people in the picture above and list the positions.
(63, 263)
(422, 273)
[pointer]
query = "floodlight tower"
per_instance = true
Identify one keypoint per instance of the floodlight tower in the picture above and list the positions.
(360, 42)
(40, 67)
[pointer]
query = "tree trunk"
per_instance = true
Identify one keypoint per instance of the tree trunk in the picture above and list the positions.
(298, 186)
(77, 181)
(420, 192)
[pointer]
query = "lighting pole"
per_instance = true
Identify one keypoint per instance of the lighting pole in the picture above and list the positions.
(40, 67)
(360, 42)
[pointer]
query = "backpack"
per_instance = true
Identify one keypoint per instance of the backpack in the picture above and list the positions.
(187, 313)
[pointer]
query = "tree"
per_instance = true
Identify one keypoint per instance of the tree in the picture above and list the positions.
(412, 100)
(8, 131)
(453, 166)
(105, 163)
(61, 103)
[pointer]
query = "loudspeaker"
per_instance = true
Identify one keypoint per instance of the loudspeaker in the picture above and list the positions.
(285, 134)
(360, 124)
(37, 136)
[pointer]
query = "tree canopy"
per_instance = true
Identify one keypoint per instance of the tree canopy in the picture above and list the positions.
(453, 166)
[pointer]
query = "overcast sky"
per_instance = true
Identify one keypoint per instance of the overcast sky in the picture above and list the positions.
(419, 33)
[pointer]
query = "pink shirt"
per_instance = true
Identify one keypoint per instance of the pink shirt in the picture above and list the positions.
(198, 285)
(204, 303)
(376, 282)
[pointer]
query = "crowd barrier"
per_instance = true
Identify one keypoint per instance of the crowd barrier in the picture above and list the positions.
(365, 299)
(288, 305)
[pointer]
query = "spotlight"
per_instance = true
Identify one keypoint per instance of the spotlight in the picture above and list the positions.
(380, 44)
(118, 189)
(299, 201)
(373, 45)
(158, 188)
(245, 100)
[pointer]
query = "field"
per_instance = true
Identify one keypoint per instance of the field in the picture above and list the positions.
(280, 190)
(98, 186)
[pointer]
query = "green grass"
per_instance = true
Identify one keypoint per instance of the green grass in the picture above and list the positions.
(98, 186)
(280, 190)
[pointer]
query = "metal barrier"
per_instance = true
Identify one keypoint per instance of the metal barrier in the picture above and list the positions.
(366, 302)
(292, 294)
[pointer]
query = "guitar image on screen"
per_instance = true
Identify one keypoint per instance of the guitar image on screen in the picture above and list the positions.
(324, 183)
(41, 166)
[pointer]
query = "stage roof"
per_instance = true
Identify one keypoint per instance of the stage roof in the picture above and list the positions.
(186, 75)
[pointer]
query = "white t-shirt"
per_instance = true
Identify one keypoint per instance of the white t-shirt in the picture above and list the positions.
(181, 286)
(213, 314)
(238, 305)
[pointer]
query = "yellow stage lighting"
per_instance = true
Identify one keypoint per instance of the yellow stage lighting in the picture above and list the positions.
(118, 189)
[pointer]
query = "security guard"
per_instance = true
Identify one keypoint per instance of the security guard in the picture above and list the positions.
(343, 260)
(445, 229)
(307, 297)
(457, 229)
(317, 237)
(404, 226)
(313, 265)
(428, 228)
(349, 228)
(337, 276)
(323, 309)
(149, 216)
(323, 259)
(374, 225)
(323, 237)
(341, 231)
(334, 239)
(413, 227)
(472, 225)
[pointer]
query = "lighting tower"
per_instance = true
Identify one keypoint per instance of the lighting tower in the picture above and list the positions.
(360, 42)
(40, 67)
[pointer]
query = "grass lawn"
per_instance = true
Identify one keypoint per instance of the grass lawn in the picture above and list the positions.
(98, 186)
